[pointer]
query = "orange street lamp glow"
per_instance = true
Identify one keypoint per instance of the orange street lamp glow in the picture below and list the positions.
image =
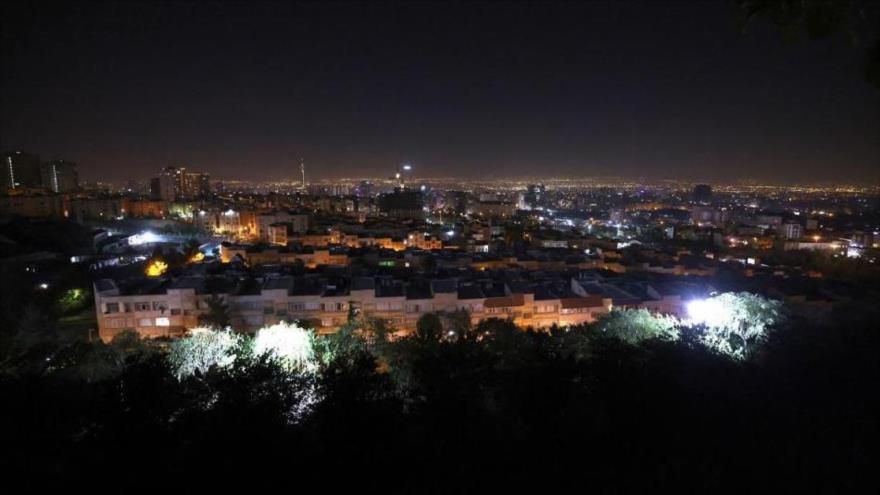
(156, 268)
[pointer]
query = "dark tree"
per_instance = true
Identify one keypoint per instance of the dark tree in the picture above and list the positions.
(218, 313)
(429, 328)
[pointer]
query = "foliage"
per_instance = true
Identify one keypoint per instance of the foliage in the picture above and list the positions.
(636, 325)
(201, 350)
(632, 413)
(735, 323)
(429, 327)
(73, 299)
(218, 315)
(291, 346)
(817, 19)
(458, 323)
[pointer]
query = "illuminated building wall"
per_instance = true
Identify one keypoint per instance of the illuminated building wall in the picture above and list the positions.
(175, 310)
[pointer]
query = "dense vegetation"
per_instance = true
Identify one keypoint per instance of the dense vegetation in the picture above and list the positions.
(454, 408)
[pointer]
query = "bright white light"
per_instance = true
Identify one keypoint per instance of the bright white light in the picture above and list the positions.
(710, 312)
(145, 237)
(734, 323)
(44, 286)
(287, 343)
(450, 233)
(407, 167)
(163, 322)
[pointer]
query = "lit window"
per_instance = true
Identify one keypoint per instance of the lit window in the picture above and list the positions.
(163, 322)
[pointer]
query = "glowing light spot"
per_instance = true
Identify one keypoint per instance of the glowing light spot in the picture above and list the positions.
(156, 268)
(287, 343)
(710, 312)
(145, 237)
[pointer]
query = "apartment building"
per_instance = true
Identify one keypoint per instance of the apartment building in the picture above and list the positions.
(168, 307)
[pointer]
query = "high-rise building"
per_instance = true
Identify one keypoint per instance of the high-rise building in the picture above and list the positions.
(175, 184)
(194, 185)
(170, 179)
(20, 170)
(155, 189)
(702, 193)
(535, 194)
(59, 176)
(402, 204)
(792, 230)
(203, 184)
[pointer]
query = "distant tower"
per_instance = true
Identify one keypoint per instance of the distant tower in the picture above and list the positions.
(402, 171)
(302, 171)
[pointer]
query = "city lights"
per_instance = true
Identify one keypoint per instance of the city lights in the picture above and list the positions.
(146, 237)
(156, 268)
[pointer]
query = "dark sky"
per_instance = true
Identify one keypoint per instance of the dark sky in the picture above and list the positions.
(241, 90)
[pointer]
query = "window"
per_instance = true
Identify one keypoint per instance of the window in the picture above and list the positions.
(389, 306)
(112, 308)
(296, 306)
(141, 306)
(163, 322)
(159, 305)
(175, 311)
(496, 311)
(145, 322)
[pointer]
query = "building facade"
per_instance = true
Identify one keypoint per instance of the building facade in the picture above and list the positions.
(173, 307)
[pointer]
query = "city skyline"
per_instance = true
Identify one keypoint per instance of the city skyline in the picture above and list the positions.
(658, 91)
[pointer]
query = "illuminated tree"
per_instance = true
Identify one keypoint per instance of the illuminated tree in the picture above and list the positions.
(735, 323)
(201, 350)
(636, 325)
(73, 299)
(289, 345)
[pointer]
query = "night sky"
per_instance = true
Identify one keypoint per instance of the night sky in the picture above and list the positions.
(242, 90)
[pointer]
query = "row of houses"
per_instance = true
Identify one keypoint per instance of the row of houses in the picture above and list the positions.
(170, 306)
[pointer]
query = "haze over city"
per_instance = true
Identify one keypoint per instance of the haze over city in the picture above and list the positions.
(661, 90)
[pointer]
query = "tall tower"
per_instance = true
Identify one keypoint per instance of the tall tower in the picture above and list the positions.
(302, 171)
(402, 171)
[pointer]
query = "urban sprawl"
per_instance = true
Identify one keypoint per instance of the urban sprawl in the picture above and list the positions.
(541, 252)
